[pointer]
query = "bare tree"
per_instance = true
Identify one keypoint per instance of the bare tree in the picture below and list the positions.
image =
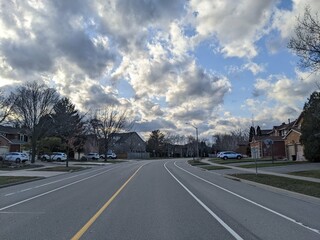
(231, 140)
(108, 122)
(5, 106)
(32, 107)
(306, 42)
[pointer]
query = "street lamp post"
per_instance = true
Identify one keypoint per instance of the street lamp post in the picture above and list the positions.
(197, 146)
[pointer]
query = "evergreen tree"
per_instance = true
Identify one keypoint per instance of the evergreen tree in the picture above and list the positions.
(310, 128)
(251, 133)
(156, 143)
(259, 131)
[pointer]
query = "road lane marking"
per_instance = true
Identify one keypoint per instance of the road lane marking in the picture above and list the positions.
(250, 201)
(79, 234)
(54, 190)
(46, 184)
(226, 226)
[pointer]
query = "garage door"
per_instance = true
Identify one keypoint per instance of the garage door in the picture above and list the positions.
(291, 151)
(300, 155)
(3, 150)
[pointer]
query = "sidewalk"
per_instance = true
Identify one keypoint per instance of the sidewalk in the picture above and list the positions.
(250, 170)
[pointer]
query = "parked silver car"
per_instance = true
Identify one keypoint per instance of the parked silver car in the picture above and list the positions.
(229, 154)
(16, 157)
(55, 156)
(92, 156)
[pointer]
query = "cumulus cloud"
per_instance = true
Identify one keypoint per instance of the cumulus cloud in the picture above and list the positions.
(86, 48)
(236, 26)
(285, 20)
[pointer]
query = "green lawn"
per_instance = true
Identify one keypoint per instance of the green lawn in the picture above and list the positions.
(61, 169)
(221, 161)
(6, 167)
(213, 167)
(311, 173)
(269, 164)
(4, 180)
(196, 163)
(299, 186)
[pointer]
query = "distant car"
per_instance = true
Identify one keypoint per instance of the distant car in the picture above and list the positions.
(111, 155)
(55, 156)
(92, 156)
(229, 155)
(16, 157)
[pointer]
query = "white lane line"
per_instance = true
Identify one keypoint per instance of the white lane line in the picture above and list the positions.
(226, 226)
(250, 201)
(54, 190)
(46, 184)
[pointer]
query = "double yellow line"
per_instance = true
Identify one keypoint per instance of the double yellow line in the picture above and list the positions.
(79, 234)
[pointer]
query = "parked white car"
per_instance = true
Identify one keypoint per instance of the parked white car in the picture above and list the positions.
(111, 155)
(55, 156)
(92, 156)
(229, 154)
(16, 157)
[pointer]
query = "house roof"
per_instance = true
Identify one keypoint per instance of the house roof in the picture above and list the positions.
(266, 131)
(284, 126)
(262, 138)
(294, 129)
(124, 136)
(11, 130)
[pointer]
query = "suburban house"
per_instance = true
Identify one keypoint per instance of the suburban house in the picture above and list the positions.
(128, 145)
(271, 143)
(283, 141)
(267, 146)
(294, 149)
(12, 139)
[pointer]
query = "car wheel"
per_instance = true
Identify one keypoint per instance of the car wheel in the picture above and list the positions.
(18, 160)
(225, 158)
(58, 159)
(238, 157)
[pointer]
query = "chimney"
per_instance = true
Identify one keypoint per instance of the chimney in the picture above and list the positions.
(289, 120)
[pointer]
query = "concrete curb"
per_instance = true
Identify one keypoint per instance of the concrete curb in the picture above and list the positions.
(296, 195)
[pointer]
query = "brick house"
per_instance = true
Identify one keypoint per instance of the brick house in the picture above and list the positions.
(294, 149)
(12, 139)
(261, 147)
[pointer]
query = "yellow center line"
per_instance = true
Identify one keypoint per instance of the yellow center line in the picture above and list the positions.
(79, 234)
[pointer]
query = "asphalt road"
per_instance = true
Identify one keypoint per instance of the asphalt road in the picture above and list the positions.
(163, 199)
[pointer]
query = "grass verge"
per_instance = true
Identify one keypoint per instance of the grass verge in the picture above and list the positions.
(5, 180)
(197, 163)
(275, 164)
(221, 161)
(61, 169)
(214, 167)
(6, 167)
(311, 173)
(294, 185)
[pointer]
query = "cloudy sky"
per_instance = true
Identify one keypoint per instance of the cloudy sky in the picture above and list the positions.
(217, 64)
